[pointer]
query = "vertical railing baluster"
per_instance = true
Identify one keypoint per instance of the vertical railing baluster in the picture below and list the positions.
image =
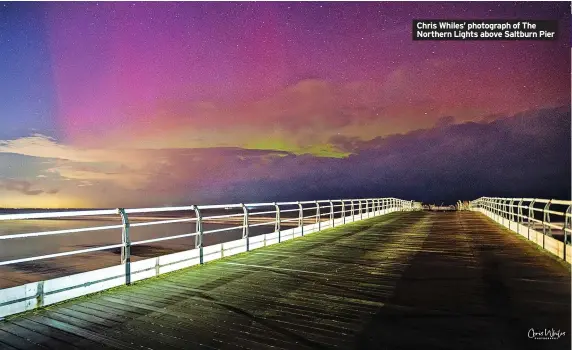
(567, 226)
(199, 229)
(530, 215)
(373, 207)
(352, 209)
(126, 241)
(360, 210)
(520, 218)
(318, 216)
(332, 213)
(277, 224)
(301, 218)
(503, 210)
(343, 212)
(245, 226)
(546, 219)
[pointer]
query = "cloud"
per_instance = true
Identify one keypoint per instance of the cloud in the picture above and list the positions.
(516, 156)
(23, 187)
(444, 121)
(520, 155)
(128, 173)
(43, 146)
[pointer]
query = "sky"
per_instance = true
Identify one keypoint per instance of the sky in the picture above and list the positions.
(130, 104)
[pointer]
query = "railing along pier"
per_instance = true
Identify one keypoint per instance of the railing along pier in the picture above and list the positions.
(542, 221)
(324, 213)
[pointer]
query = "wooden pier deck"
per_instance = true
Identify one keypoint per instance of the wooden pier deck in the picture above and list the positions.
(410, 280)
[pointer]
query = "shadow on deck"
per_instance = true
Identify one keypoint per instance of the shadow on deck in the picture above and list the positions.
(451, 280)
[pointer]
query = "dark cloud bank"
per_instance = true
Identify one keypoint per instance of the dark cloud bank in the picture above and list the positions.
(525, 155)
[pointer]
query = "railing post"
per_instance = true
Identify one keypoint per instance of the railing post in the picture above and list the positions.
(343, 213)
(360, 210)
(332, 212)
(530, 215)
(199, 229)
(245, 226)
(511, 212)
(277, 224)
(567, 226)
(300, 219)
(126, 241)
(373, 206)
(352, 209)
(520, 219)
(318, 216)
(546, 219)
(366, 208)
(503, 209)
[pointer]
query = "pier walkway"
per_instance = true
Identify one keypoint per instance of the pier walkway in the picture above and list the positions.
(405, 280)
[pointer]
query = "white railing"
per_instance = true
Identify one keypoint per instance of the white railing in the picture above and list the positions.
(539, 220)
(37, 294)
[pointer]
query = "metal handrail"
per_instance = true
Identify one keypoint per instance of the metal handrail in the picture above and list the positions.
(199, 218)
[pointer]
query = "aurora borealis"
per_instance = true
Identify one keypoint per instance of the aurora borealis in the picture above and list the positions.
(150, 104)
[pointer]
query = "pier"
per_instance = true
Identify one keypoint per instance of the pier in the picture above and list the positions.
(401, 278)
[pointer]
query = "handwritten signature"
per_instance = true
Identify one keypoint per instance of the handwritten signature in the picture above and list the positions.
(545, 334)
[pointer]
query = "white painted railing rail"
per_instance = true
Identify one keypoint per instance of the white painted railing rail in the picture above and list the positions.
(539, 220)
(37, 294)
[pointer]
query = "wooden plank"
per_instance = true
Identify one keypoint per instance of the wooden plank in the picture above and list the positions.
(69, 338)
(33, 337)
(139, 327)
(94, 335)
(12, 341)
(180, 316)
